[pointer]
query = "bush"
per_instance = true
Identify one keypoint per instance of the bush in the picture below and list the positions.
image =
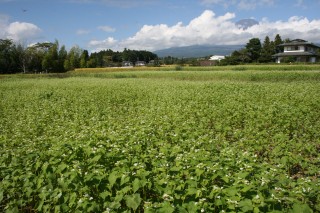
(178, 68)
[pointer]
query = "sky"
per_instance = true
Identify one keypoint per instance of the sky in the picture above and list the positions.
(152, 25)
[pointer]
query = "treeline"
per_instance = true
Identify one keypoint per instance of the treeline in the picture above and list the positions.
(50, 57)
(255, 51)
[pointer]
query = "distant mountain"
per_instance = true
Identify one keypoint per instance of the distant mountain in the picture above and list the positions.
(196, 51)
(246, 23)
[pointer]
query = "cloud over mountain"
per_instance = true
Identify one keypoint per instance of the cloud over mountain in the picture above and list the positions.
(211, 29)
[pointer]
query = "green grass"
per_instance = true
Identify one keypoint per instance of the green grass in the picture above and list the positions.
(160, 141)
(259, 67)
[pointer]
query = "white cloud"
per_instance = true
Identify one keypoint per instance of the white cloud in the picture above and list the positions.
(108, 43)
(18, 31)
(106, 29)
(22, 31)
(211, 29)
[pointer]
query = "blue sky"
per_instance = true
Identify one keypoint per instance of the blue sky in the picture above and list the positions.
(155, 24)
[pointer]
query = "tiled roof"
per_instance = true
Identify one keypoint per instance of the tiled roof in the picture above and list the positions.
(299, 42)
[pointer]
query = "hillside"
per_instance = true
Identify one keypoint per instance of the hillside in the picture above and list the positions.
(198, 51)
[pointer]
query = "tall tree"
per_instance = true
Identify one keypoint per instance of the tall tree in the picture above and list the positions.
(266, 51)
(84, 59)
(277, 42)
(50, 61)
(22, 57)
(61, 58)
(254, 49)
(6, 56)
(73, 58)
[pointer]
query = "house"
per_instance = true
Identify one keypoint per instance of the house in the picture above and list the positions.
(140, 63)
(216, 58)
(298, 50)
(127, 64)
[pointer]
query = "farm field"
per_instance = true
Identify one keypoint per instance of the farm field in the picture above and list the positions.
(237, 140)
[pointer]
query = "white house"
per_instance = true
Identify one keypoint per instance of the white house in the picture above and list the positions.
(298, 49)
(216, 57)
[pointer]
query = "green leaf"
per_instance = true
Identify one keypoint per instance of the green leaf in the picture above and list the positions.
(166, 208)
(199, 172)
(243, 174)
(61, 167)
(96, 158)
(118, 198)
(112, 178)
(39, 182)
(246, 205)
(72, 199)
(256, 210)
(105, 194)
(301, 208)
(192, 191)
(39, 208)
(246, 188)
(124, 179)
(133, 201)
(175, 169)
(135, 185)
(225, 179)
(284, 160)
(231, 191)
(125, 190)
(1, 195)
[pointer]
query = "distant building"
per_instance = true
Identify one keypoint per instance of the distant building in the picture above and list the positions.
(140, 64)
(298, 50)
(127, 64)
(213, 60)
(216, 57)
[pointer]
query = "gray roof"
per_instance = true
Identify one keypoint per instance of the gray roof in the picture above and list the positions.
(299, 42)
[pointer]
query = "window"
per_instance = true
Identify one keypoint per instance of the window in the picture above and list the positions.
(292, 48)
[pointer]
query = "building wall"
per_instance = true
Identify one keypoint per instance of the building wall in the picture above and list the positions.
(300, 48)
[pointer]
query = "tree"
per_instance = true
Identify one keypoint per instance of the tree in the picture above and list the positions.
(73, 58)
(50, 61)
(254, 49)
(237, 57)
(277, 42)
(84, 59)
(266, 51)
(61, 58)
(35, 54)
(6, 56)
(21, 57)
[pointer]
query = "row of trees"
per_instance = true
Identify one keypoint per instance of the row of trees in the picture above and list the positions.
(256, 52)
(51, 57)
(109, 58)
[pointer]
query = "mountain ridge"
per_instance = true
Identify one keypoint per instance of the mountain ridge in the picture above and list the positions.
(196, 51)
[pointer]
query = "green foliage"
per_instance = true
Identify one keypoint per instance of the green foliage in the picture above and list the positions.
(178, 68)
(255, 52)
(254, 49)
(48, 58)
(166, 141)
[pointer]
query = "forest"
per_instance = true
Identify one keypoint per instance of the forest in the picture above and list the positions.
(50, 57)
